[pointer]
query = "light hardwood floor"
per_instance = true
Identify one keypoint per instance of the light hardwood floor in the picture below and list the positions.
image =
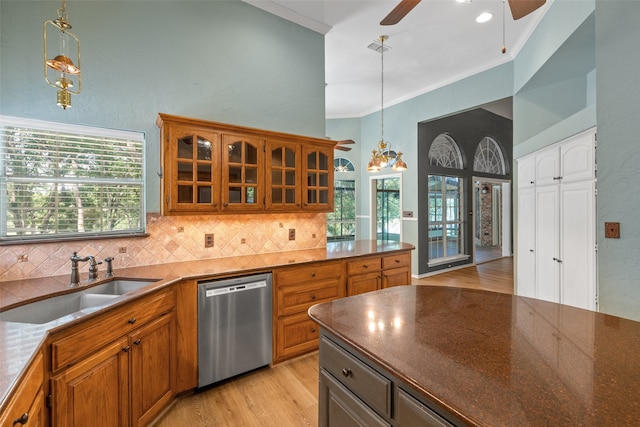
(287, 394)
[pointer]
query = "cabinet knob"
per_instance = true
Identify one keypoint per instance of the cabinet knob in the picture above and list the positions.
(137, 342)
(215, 204)
(313, 274)
(22, 420)
(132, 320)
(346, 372)
(313, 330)
(313, 297)
(126, 349)
(365, 266)
(397, 261)
(225, 204)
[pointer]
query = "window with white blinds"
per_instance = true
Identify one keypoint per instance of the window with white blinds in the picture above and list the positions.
(61, 181)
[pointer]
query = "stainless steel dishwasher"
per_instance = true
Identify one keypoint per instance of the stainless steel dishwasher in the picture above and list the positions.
(234, 327)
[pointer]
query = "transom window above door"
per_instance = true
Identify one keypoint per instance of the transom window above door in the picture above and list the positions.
(489, 157)
(445, 152)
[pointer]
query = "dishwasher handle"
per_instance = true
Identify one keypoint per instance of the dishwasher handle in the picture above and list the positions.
(214, 291)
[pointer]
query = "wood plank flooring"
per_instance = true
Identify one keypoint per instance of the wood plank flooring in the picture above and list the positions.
(287, 394)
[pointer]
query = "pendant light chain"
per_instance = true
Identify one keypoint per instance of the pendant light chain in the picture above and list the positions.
(382, 38)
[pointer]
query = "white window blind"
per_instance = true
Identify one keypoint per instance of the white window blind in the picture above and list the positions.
(62, 181)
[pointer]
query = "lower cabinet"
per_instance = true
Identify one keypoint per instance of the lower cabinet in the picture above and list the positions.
(353, 391)
(26, 407)
(127, 381)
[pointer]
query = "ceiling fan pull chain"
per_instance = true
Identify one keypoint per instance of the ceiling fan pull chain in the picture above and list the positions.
(504, 44)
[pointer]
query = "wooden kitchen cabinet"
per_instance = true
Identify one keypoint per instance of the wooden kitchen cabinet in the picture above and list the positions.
(211, 167)
(152, 369)
(242, 173)
(283, 176)
(363, 275)
(317, 188)
(396, 270)
(192, 167)
(95, 391)
(117, 369)
(296, 289)
(26, 407)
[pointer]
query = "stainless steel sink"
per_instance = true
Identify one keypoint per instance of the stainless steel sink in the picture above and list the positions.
(120, 286)
(82, 301)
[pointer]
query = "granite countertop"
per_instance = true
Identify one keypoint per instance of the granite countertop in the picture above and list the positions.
(19, 342)
(493, 359)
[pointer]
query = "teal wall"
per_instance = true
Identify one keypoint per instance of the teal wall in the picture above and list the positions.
(579, 69)
(618, 111)
(225, 61)
(401, 129)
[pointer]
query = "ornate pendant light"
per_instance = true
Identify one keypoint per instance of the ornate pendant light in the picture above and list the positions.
(382, 156)
(60, 71)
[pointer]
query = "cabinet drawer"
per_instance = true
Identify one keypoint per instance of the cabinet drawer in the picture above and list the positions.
(26, 395)
(296, 335)
(307, 274)
(74, 344)
(373, 388)
(410, 412)
(395, 261)
(297, 299)
(361, 266)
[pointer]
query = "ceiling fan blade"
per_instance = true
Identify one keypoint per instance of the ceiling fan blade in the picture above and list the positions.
(341, 148)
(521, 8)
(346, 142)
(399, 12)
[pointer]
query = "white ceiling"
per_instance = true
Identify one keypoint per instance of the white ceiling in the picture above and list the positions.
(438, 42)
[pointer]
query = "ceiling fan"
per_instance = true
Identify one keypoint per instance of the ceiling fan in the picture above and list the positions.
(340, 145)
(519, 9)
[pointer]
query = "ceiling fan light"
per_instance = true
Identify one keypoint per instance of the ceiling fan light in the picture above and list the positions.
(484, 17)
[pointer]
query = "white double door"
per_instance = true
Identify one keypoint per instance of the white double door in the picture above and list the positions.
(556, 231)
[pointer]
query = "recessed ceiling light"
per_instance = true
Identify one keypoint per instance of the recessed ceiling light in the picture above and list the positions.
(484, 17)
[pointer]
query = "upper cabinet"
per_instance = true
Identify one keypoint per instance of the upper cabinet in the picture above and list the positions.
(318, 174)
(211, 167)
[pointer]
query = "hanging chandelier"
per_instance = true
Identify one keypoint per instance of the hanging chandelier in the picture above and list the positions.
(60, 71)
(382, 156)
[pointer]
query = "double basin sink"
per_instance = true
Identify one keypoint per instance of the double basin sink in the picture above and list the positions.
(86, 300)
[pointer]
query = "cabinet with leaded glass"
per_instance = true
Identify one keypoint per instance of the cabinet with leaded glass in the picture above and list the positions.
(192, 165)
(211, 167)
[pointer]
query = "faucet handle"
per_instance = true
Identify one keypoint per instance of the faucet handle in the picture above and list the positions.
(109, 267)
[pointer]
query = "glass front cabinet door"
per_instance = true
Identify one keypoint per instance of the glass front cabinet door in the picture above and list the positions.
(242, 166)
(317, 190)
(195, 171)
(283, 176)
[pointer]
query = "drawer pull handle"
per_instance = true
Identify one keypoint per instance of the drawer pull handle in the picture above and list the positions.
(313, 297)
(125, 349)
(346, 372)
(313, 274)
(397, 261)
(365, 266)
(132, 320)
(137, 342)
(22, 420)
(313, 330)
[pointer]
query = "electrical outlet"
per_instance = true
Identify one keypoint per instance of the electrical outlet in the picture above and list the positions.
(292, 234)
(208, 240)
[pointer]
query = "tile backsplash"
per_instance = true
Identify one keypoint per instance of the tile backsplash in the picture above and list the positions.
(172, 239)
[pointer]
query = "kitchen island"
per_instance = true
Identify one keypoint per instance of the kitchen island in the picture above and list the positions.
(470, 357)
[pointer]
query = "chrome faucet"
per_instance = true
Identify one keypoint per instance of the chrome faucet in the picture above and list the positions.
(93, 269)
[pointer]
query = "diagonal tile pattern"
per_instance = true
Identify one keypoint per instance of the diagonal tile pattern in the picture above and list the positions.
(172, 239)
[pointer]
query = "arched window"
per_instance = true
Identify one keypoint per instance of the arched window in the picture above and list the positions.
(489, 157)
(340, 164)
(445, 152)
